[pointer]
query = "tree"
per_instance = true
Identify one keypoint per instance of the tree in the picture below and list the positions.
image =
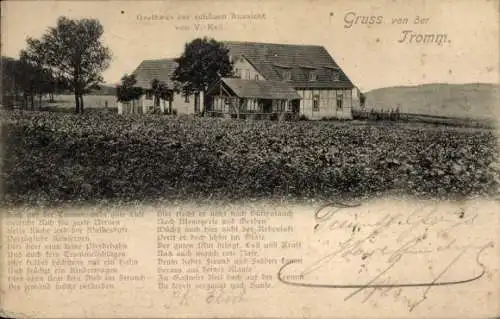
(202, 63)
(28, 77)
(35, 79)
(362, 99)
(127, 91)
(161, 91)
(73, 51)
(10, 88)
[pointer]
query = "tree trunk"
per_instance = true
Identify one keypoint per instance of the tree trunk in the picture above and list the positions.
(40, 101)
(77, 102)
(32, 98)
(16, 92)
(197, 103)
(77, 87)
(81, 103)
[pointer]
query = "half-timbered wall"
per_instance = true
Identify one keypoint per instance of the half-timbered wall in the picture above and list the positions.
(244, 70)
(322, 103)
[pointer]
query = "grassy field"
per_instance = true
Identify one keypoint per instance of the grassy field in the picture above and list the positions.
(51, 157)
(408, 118)
(93, 101)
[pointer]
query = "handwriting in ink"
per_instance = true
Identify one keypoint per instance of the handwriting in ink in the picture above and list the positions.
(389, 240)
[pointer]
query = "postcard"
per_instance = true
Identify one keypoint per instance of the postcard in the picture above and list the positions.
(249, 159)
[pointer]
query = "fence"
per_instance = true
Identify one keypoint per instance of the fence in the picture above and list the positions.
(274, 116)
(379, 115)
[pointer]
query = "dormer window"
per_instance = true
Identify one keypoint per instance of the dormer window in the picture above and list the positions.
(313, 75)
(336, 75)
(287, 75)
(284, 70)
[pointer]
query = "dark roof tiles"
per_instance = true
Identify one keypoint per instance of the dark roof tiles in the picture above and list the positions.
(261, 89)
(148, 70)
(272, 59)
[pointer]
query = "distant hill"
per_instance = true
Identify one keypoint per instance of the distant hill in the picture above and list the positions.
(475, 100)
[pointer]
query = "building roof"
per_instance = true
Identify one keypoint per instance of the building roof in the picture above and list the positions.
(148, 70)
(258, 89)
(271, 59)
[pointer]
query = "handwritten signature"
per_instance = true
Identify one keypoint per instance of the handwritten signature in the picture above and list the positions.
(212, 296)
(386, 243)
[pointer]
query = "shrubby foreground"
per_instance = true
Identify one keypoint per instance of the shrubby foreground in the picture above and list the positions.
(51, 157)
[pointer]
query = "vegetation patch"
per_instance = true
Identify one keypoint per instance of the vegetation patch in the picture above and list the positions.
(66, 157)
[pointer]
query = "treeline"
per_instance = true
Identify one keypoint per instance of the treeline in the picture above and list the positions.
(23, 82)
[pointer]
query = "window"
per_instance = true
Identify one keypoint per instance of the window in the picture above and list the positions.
(287, 75)
(316, 103)
(313, 76)
(186, 94)
(237, 72)
(149, 95)
(339, 99)
(244, 74)
(282, 106)
(336, 75)
(252, 105)
(256, 77)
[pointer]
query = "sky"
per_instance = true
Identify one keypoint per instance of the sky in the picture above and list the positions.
(442, 41)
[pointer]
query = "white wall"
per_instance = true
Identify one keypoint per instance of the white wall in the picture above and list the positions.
(327, 104)
(355, 98)
(134, 106)
(147, 105)
(181, 105)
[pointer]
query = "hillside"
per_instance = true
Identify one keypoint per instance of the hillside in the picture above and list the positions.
(475, 100)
